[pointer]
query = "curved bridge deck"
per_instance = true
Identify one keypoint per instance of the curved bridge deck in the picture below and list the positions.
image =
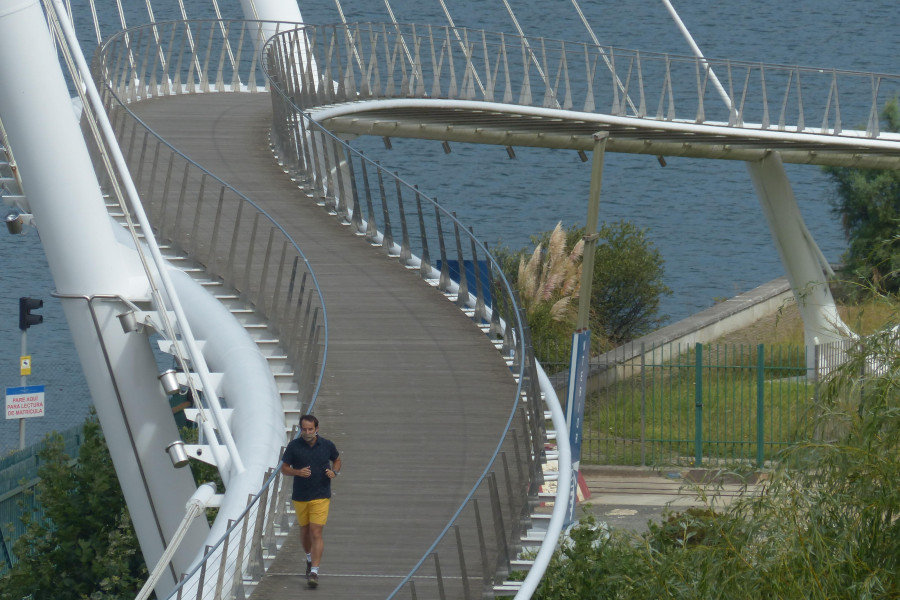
(414, 394)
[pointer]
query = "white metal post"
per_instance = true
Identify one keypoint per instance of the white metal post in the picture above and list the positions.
(85, 259)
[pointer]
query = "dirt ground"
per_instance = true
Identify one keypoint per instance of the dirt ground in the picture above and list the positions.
(784, 325)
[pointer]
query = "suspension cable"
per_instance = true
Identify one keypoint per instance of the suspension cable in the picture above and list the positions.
(399, 33)
(356, 55)
(462, 45)
(690, 40)
(96, 21)
(603, 55)
(528, 47)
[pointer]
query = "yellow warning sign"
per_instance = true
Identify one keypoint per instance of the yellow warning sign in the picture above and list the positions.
(25, 365)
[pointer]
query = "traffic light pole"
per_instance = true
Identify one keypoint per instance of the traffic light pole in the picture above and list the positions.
(26, 320)
(22, 383)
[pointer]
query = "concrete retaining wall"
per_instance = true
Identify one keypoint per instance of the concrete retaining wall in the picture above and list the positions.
(705, 326)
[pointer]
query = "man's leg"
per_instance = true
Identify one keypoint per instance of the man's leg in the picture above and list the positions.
(306, 538)
(302, 510)
(316, 542)
(318, 516)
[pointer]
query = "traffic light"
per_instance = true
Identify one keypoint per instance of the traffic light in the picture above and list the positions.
(26, 319)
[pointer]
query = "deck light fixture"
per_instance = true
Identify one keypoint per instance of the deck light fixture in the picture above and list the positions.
(128, 321)
(169, 382)
(177, 454)
(14, 223)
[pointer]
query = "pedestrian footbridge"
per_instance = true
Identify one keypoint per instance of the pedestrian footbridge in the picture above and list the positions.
(371, 305)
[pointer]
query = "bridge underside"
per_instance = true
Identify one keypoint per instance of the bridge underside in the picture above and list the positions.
(505, 126)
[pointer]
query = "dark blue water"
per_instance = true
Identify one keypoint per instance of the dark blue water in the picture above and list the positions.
(702, 215)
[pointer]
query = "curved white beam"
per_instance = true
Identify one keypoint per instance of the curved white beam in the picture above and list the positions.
(848, 141)
(249, 387)
(564, 488)
(85, 261)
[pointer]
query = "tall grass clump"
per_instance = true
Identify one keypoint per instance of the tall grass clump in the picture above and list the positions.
(824, 524)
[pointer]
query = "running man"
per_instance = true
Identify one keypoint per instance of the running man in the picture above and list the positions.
(313, 462)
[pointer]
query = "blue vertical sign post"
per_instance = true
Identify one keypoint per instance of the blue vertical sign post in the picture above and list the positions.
(575, 395)
(581, 339)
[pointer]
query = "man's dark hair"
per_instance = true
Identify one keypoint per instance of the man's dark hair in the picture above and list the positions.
(310, 418)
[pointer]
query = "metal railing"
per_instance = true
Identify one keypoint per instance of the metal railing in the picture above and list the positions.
(475, 548)
(192, 209)
(677, 404)
(235, 241)
(364, 61)
(18, 479)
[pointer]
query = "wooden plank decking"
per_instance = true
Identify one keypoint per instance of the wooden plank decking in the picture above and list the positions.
(414, 394)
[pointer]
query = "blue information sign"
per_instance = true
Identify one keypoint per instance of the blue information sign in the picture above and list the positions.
(575, 396)
(23, 402)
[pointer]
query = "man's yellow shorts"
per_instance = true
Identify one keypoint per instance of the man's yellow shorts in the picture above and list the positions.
(314, 511)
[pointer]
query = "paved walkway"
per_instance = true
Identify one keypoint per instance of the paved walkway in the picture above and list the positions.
(414, 395)
(629, 497)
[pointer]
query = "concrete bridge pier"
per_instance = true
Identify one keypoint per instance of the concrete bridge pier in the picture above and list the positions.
(805, 265)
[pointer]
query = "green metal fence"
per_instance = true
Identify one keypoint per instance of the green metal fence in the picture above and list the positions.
(693, 404)
(18, 476)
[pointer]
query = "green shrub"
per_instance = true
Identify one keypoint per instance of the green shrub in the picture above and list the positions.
(824, 525)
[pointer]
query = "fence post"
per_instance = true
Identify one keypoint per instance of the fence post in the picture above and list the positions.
(698, 405)
(643, 407)
(760, 405)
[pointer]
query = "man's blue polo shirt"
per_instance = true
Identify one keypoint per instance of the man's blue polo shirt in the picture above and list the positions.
(318, 457)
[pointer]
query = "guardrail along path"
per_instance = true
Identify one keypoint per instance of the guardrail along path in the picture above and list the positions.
(415, 396)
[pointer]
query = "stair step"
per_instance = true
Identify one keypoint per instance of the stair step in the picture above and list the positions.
(519, 564)
(507, 588)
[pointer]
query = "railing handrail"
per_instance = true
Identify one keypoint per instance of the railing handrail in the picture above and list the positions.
(137, 79)
(249, 201)
(771, 92)
(525, 354)
(270, 481)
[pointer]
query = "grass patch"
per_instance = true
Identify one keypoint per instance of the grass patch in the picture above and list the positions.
(749, 407)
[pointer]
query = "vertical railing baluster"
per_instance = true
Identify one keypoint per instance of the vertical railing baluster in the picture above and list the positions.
(202, 578)
(211, 261)
(499, 528)
(148, 199)
(444, 283)
(354, 215)
(248, 265)
(161, 220)
(405, 253)
(276, 294)
(193, 243)
(139, 178)
(425, 265)
(462, 564)
(223, 561)
(371, 227)
(181, 199)
(261, 292)
(229, 278)
(487, 575)
(462, 298)
(387, 237)
(440, 579)
(479, 288)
